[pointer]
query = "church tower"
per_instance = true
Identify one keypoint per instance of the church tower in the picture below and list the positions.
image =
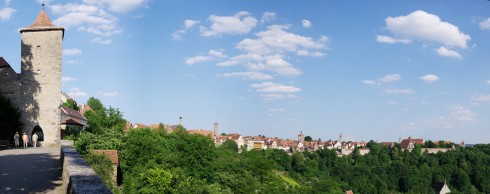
(216, 129)
(40, 76)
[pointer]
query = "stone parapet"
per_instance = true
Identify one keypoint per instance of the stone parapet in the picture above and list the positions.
(77, 176)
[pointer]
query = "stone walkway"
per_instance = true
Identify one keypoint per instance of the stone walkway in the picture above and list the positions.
(30, 170)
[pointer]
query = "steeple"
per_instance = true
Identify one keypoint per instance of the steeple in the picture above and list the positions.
(42, 23)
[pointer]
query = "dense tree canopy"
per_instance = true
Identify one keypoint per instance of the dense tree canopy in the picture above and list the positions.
(156, 161)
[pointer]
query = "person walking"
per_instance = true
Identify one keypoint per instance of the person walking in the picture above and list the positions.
(16, 139)
(24, 139)
(34, 140)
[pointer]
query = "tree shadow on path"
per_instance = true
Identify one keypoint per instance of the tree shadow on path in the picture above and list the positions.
(30, 171)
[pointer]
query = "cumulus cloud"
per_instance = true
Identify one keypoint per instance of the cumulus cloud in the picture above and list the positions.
(197, 59)
(240, 23)
(485, 25)
(271, 87)
(248, 75)
(385, 79)
(267, 17)
(400, 91)
(72, 51)
(443, 51)
(109, 94)
(306, 23)
(188, 24)
(420, 25)
(76, 93)
(390, 40)
(429, 78)
(6, 13)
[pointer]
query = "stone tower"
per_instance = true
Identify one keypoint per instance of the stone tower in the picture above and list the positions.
(301, 137)
(41, 61)
(216, 129)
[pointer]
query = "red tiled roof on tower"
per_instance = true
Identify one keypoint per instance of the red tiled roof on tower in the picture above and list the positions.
(42, 20)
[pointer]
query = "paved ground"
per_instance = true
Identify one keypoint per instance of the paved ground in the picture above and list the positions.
(30, 170)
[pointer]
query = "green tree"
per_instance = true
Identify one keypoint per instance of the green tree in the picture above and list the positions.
(230, 144)
(70, 103)
(102, 119)
(308, 138)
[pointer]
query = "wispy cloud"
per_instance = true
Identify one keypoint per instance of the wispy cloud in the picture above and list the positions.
(101, 41)
(274, 87)
(72, 51)
(188, 24)
(6, 13)
(197, 59)
(267, 17)
(385, 79)
(390, 40)
(109, 94)
(276, 110)
(76, 92)
(249, 75)
(271, 97)
(68, 79)
(400, 91)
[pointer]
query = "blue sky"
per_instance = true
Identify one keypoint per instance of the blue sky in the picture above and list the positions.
(370, 70)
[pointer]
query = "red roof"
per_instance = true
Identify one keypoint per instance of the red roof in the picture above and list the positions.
(112, 154)
(202, 132)
(72, 113)
(404, 143)
(70, 121)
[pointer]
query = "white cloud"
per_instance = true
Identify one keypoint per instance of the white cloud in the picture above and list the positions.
(385, 79)
(463, 114)
(217, 53)
(306, 23)
(240, 23)
(485, 24)
(72, 51)
(118, 5)
(443, 51)
(488, 82)
(481, 98)
(420, 25)
(392, 102)
(370, 82)
(67, 79)
(109, 94)
(270, 97)
(276, 110)
(99, 40)
(390, 40)
(76, 93)
(197, 59)
(274, 88)
(429, 78)
(390, 78)
(88, 18)
(6, 13)
(267, 17)
(249, 75)
(400, 91)
(188, 24)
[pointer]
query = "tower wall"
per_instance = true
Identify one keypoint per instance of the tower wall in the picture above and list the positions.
(40, 77)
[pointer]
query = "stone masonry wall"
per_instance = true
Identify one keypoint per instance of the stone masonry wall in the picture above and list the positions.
(41, 82)
(77, 176)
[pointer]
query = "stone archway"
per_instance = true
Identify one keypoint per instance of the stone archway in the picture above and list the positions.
(40, 134)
